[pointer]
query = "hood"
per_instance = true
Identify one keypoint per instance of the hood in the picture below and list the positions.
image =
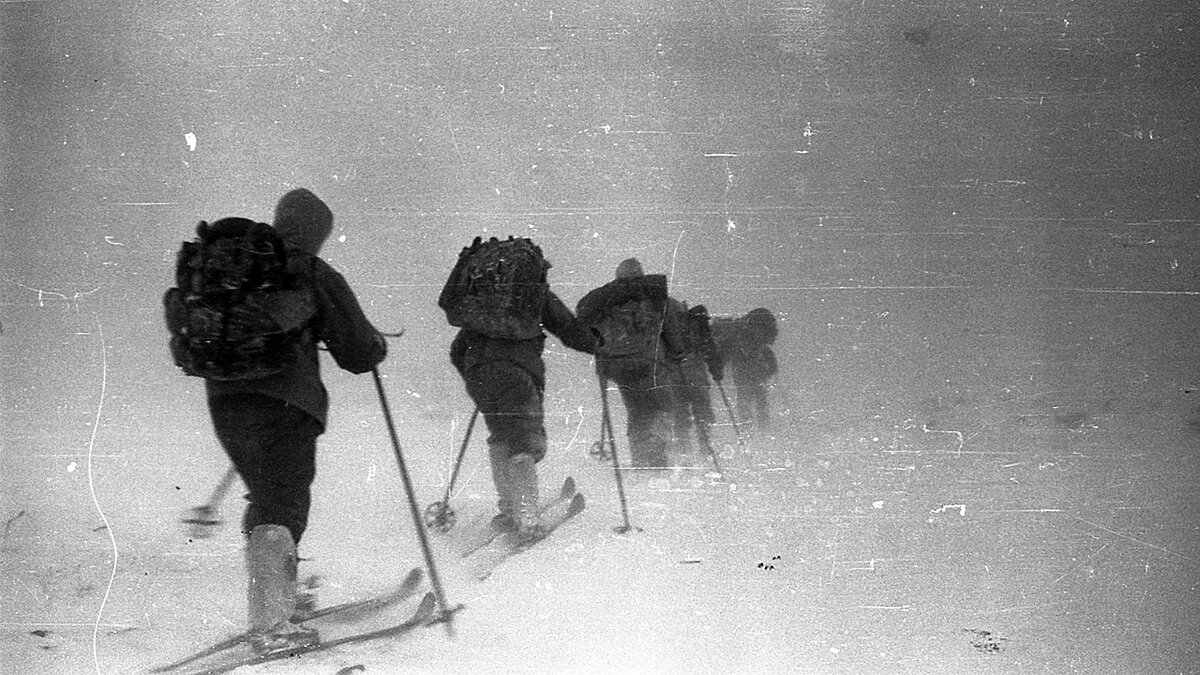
(303, 221)
(630, 268)
(762, 325)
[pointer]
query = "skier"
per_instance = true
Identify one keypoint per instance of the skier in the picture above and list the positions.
(498, 296)
(745, 344)
(693, 405)
(269, 426)
(642, 342)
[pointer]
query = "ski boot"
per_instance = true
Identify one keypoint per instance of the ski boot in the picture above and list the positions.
(271, 593)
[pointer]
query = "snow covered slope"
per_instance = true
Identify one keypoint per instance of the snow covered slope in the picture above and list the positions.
(976, 221)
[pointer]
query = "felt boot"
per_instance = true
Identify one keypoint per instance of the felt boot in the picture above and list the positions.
(271, 593)
(523, 480)
(505, 520)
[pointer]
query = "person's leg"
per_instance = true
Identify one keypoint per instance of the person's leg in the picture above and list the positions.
(511, 403)
(657, 424)
(273, 447)
(682, 417)
(646, 394)
(762, 405)
(744, 406)
(646, 426)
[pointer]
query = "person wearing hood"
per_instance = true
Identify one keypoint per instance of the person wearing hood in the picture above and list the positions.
(745, 344)
(269, 426)
(642, 343)
(693, 404)
(505, 376)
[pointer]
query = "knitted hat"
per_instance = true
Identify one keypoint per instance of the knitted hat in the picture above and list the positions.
(629, 268)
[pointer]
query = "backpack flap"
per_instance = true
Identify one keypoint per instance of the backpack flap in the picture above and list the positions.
(497, 288)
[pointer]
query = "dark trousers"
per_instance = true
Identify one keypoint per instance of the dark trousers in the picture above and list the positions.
(274, 448)
(646, 392)
(692, 399)
(511, 403)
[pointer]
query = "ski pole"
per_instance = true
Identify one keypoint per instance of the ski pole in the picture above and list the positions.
(597, 450)
(434, 580)
(439, 515)
(732, 419)
(702, 432)
(606, 423)
(203, 520)
(218, 493)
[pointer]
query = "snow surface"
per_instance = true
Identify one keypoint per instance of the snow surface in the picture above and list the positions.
(976, 222)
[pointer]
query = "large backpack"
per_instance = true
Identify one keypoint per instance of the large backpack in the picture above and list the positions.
(498, 288)
(236, 312)
(629, 315)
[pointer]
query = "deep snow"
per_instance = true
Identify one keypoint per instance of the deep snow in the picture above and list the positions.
(999, 518)
(977, 223)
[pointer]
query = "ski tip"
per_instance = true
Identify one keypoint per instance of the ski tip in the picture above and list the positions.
(568, 487)
(578, 503)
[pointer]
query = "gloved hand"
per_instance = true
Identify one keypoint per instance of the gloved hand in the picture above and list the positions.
(381, 345)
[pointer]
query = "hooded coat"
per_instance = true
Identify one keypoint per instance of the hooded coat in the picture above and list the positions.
(304, 222)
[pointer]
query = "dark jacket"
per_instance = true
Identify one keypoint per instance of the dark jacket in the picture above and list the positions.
(304, 222)
(472, 348)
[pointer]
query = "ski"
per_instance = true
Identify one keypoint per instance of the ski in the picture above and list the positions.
(424, 614)
(564, 495)
(514, 545)
(345, 610)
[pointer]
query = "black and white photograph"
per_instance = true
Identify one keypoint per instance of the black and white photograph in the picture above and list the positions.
(635, 336)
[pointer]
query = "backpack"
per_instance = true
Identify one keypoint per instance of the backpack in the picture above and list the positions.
(629, 315)
(236, 312)
(498, 288)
